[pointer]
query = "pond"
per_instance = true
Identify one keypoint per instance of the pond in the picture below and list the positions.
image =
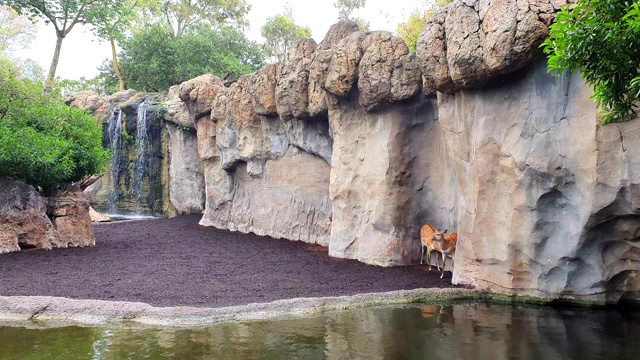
(458, 331)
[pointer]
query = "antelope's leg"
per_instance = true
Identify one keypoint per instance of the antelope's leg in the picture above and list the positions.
(444, 263)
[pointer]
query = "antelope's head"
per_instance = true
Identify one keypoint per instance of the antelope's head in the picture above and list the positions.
(439, 235)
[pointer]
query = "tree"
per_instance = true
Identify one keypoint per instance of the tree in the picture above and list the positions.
(601, 38)
(113, 28)
(154, 59)
(346, 9)
(180, 15)
(16, 31)
(410, 30)
(280, 32)
(43, 142)
(64, 16)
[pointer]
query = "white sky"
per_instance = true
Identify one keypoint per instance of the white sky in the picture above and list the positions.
(81, 54)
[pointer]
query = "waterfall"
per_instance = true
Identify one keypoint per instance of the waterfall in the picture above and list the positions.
(142, 151)
(115, 135)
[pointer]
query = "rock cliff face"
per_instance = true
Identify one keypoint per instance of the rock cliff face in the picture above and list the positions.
(29, 220)
(355, 143)
(337, 145)
(549, 199)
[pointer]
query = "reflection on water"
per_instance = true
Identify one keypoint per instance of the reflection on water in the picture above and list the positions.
(462, 331)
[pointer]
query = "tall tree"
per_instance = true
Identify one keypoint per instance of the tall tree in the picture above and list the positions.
(113, 28)
(411, 29)
(64, 15)
(280, 32)
(346, 9)
(16, 31)
(179, 15)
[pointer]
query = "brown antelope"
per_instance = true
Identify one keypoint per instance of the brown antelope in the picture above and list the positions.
(447, 245)
(427, 244)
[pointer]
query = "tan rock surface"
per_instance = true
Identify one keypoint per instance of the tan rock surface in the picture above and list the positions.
(292, 98)
(69, 213)
(473, 41)
(198, 94)
(98, 217)
(387, 71)
(23, 219)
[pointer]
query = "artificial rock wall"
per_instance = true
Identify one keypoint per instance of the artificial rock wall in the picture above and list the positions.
(355, 143)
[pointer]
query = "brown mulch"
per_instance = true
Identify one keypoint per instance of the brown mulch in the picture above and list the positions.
(171, 262)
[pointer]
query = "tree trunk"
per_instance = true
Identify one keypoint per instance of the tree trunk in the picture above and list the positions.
(116, 67)
(48, 88)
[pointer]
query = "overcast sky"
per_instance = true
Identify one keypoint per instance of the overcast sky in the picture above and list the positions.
(81, 53)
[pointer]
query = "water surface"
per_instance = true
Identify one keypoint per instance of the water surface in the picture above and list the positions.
(461, 331)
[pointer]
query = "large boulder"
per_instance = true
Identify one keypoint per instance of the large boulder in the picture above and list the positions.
(198, 93)
(69, 213)
(471, 42)
(29, 220)
(388, 73)
(23, 218)
(292, 89)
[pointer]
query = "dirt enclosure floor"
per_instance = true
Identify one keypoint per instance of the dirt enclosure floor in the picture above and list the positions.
(172, 262)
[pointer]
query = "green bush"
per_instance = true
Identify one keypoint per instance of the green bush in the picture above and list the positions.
(601, 38)
(43, 142)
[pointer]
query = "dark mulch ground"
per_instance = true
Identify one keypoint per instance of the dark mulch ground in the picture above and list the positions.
(169, 262)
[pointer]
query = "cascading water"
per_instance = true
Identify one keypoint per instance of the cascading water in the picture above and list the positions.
(141, 148)
(115, 135)
(133, 186)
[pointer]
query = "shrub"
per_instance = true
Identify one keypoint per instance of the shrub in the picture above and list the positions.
(42, 141)
(601, 38)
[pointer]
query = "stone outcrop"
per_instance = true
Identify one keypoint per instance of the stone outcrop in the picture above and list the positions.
(470, 42)
(23, 218)
(388, 166)
(68, 210)
(24, 221)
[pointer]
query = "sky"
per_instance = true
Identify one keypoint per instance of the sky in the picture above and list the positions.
(81, 53)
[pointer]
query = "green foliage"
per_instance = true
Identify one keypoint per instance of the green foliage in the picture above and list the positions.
(280, 32)
(16, 31)
(410, 30)
(154, 59)
(64, 16)
(601, 38)
(346, 9)
(43, 142)
(179, 16)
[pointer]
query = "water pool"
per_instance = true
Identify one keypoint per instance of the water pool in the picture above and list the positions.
(458, 331)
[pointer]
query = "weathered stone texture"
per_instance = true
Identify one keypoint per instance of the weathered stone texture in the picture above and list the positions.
(69, 213)
(473, 41)
(549, 200)
(342, 72)
(186, 185)
(24, 221)
(385, 181)
(387, 72)
(292, 89)
(198, 94)
(290, 200)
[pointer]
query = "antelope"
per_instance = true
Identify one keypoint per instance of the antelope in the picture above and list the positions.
(447, 246)
(427, 244)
